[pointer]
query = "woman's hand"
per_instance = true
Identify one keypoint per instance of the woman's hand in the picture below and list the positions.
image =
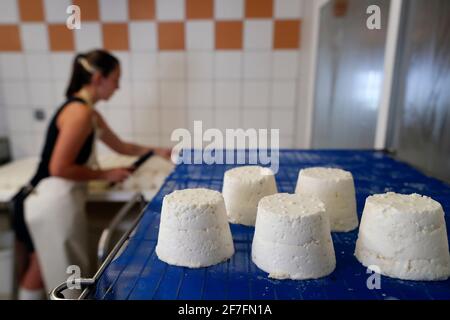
(163, 152)
(117, 174)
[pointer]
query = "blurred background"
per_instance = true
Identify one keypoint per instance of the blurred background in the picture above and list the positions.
(311, 68)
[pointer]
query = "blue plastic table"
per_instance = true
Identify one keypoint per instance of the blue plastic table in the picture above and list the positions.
(137, 273)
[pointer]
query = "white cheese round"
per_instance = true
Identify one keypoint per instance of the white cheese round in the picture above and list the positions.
(242, 189)
(405, 236)
(194, 231)
(335, 188)
(292, 238)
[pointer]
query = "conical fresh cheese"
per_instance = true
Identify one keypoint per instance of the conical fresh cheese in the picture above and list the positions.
(404, 236)
(243, 187)
(292, 238)
(335, 188)
(194, 231)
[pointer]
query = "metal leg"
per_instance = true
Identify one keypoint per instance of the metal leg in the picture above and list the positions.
(105, 238)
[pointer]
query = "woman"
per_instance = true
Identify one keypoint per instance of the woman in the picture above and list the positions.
(53, 219)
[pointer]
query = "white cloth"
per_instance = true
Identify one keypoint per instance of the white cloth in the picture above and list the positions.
(56, 220)
(29, 294)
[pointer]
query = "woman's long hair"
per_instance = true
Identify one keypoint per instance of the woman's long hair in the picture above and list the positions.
(86, 64)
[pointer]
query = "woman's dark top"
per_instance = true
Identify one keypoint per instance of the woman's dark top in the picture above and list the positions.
(50, 141)
(17, 203)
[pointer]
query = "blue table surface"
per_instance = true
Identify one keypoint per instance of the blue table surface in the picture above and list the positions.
(137, 273)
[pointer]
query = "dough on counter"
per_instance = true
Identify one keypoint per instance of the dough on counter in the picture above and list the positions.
(292, 238)
(405, 236)
(243, 187)
(194, 231)
(335, 188)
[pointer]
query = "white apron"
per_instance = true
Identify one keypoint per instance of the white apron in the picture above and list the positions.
(56, 218)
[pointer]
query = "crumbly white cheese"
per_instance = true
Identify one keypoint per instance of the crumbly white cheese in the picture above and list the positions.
(243, 187)
(194, 231)
(335, 188)
(292, 237)
(405, 236)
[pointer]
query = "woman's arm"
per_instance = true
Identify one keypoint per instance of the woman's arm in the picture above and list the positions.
(116, 144)
(75, 125)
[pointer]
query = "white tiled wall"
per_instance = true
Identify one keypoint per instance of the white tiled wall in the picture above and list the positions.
(90, 37)
(170, 10)
(9, 12)
(199, 35)
(258, 34)
(139, 31)
(288, 8)
(256, 87)
(34, 37)
(53, 9)
(113, 10)
(229, 9)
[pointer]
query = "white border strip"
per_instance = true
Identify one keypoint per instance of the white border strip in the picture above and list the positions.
(310, 90)
(389, 65)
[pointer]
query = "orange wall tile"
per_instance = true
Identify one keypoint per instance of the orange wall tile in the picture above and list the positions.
(31, 10)
(115, 36)
(171, 36)
(61, 38)
(141, 9)
(287, 34)
(229, 35)
(259, 8)
(10, 38)
(199, 9)
(89, 9)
